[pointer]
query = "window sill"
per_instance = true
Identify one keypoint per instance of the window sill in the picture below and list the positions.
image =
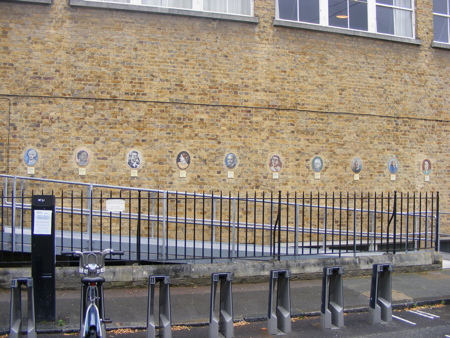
(163, 10)
(440, 45)
(45, 2)
(336, 30)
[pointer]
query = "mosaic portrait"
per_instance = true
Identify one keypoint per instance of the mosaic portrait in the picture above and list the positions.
(393, 165)
(134, 159)
(356, 165)
(426, 167)
(31, 157)
(317, 164)
(231, 160)
(183, 160)
(82, 158)
(275, 163)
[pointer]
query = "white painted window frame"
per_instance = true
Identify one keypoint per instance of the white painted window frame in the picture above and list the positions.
(446, 16)
(197, 5)
(371, 17)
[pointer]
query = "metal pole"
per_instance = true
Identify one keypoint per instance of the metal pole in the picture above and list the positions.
(89, 220)
(138, 234)
(437, 244)
(164, 248)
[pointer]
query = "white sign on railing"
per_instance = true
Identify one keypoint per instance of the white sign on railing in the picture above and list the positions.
(115, 205)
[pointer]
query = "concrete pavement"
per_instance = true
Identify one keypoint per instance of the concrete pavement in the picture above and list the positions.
(127, 307)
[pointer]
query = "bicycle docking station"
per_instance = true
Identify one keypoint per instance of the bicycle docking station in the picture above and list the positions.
(43, 257)
(279, 315)
(222, 325)
(165, 316)
(380, 307)
(16, 320)
(332, 308)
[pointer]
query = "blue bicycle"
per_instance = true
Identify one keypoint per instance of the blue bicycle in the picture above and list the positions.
(92, 307)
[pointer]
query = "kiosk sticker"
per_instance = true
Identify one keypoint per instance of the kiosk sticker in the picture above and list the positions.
(42, 222)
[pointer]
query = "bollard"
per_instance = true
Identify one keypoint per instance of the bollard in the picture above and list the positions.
(15, 329)
(332, 309)
(165, 317)
(380, 307)
(279, 320)
(223, 325)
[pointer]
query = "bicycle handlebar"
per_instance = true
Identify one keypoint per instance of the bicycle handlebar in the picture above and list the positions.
(104, 252)
(92, 262)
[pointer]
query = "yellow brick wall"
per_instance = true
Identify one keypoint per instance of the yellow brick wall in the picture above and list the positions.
(110, 81)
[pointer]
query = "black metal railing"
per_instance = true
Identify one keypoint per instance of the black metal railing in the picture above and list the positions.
(163, 226)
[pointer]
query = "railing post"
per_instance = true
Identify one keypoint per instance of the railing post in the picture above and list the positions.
(138, 233)
(13, 212)
(165, 316)
(16, 308)
(296, 227)
(233, 229)
(332, 309)
(89, 219)
(437, 245)
(223, 324)
(380, 308)
(277, 230)
(164, 249)
(279, 316)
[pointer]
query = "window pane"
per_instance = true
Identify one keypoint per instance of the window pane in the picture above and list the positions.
(403, 3)
(152, 2)
(180, 3)
(287, 9)
(403, 23)
(440, 6)
(358, 15)
(441, 29)
(387, 2)
(215, 5)
(242, 7)
(309, 11)
(337, 13)
(385, 20)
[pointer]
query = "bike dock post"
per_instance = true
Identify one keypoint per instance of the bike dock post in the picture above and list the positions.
(165, 316)
(380, 308)
(222, 326)
(332, 308)
(279, 318)
(16, 308)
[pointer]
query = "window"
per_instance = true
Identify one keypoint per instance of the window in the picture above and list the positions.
(392, 17)
(441, 11)
(237, 7)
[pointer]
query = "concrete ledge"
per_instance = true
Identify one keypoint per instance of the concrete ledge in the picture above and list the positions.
(440, 45)
(244, 271)
(351, 32)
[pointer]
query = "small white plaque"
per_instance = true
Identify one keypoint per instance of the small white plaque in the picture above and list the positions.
(231, 174)
(133, 173)
(42, 222)
(427, 178)
(356, 177)
(275, 176)
(30, 170)
(182, 173)
(317, 176)
(82, 171)
(392, 177)
(115, 205)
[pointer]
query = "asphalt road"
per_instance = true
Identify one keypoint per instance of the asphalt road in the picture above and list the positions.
(430, 321)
